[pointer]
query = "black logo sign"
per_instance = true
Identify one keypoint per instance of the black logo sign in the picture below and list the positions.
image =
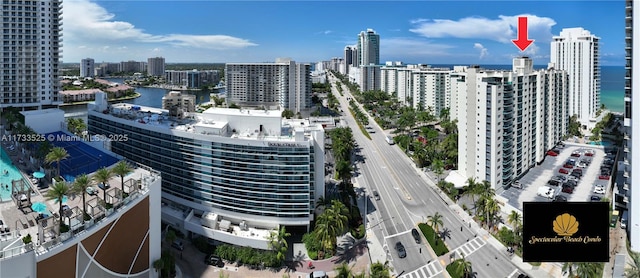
(565, 232)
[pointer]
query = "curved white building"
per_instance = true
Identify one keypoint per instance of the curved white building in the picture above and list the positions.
(228, 174)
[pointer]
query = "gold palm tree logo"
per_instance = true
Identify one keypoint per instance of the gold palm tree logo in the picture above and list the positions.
(565, 225)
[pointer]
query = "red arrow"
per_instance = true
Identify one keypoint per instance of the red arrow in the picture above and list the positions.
(523, 40)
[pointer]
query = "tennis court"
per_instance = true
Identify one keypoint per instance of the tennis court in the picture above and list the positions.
(83, 159)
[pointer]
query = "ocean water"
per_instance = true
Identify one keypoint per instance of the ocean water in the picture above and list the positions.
(611, 84)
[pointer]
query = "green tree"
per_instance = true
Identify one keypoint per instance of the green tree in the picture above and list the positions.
(515, 219)
(103, 175)
(80, 185)
(170, 237)
(438, 168)
(633, 268)
(331, 224)
(465, 267)
(344, 271)
(56, 155)
(435, 221)
(122, 169)
(380, 270)
(587, 269)
(287, 114)
(158, 265)
(57, 192)
(278, 243)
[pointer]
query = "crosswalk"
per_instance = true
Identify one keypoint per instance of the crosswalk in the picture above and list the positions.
(429, 270)
(469, 247)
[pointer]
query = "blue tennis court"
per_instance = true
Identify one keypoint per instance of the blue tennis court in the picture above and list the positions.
(83, 159)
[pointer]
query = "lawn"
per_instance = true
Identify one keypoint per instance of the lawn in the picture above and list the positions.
(453, 270)
(437, 245)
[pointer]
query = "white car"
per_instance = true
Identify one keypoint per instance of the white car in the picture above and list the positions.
(600, 186)
(599, 190)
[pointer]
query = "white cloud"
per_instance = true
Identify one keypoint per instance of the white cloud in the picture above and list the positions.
(88, 26)
(503, 29)
(483, 50)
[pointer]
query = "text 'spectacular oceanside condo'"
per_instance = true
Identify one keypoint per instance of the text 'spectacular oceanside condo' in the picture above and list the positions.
(228, 174)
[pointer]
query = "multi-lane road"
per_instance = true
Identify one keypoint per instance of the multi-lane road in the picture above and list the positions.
(407, 198)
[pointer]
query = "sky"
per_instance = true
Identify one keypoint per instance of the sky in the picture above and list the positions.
(426, 32)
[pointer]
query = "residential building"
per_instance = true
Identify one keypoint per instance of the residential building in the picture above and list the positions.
(457, 90)
(122, 241)
(284, 84)
(34, 59)
(350, 57)
(507, 120)
(177, 100)
(132, 66)
(192, 79)
(632, 111)
(430, 88)
(369, 78)
(368, 48)
(233, 175)
(87, 68)
(106, 69)
(155, 66)
(577, 51)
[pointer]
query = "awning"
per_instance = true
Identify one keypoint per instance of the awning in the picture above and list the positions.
(458, 180)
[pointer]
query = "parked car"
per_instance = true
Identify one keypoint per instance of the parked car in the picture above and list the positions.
(604, 177)
(178, 244)
(92, 191)
(560, 198)
(599, 191)
(560, 178)
(563, 171)
(103, 186)
(516, 184)
(588, 153)
(376, 195)
(318, 274)
(402, 253)
(567, 165)
(576, 174)
(575, 154)
(213, 260)
(572, 183)
(595, 198)
(567, 189)
(552, 153)
(416, 235)
(553, 182)
(3, 228)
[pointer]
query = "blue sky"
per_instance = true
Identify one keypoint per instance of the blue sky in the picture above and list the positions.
(427, 32)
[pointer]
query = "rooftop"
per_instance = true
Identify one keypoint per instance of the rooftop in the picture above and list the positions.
(223, 122)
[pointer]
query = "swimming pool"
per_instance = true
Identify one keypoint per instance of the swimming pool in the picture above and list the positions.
(602, 143)
(5, 179)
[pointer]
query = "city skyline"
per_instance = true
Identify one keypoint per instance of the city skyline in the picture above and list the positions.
(433, 32)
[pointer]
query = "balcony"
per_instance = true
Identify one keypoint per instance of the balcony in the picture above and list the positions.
(227, 229)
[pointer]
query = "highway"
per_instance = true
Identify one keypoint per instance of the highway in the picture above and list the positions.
(406, 199)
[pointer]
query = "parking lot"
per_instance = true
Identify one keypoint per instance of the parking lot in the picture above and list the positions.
(582, 188)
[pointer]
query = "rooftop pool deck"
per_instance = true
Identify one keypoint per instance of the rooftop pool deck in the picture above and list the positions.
(8, 172)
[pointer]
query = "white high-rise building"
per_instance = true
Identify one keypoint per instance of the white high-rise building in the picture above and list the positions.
(155, 66)
(30, 79)
(430, 88)
(87, 68)
(507, 120)
(284, 84)
(632, 111)
(368, 48)
(576, 51)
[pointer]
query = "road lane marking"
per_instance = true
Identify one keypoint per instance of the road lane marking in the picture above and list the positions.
(513, 273)
(426, 271)
(402, 233)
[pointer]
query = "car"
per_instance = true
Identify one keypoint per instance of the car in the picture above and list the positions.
(402, 253)
(571, 183)
(552, 153)
(595, 198)
(416, 235)
(577, 171)
(103, 186)
(576, 174)
(575, 154)
(588, 154)
(318, 274)
(177, 244)
(567, 165)
(567, 189)
(600, 186)
(376, 195)
(599, 190)
(560, 178)
(213, 260)
(604, 177)
(585, 161)
(582, 165)
(553, 182)
(560, 198)
(517, 184)
(3, 228)
(563, 171)
(92, 191)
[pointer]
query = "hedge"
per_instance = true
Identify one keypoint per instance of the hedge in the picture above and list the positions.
(437, 245)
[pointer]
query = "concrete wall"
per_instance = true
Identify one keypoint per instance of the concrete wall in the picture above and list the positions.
(44, 121)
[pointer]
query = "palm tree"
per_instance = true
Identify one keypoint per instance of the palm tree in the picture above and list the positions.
(278, 243)
(103, 175)
(586, 269)
(380, 270)
(122, 169)
(471, 189)
(158, 265)
(331, 224)
(80, 186)
(323, 202)
(490, 208)
(465, 267)
(57, 192)
(515, 219)
(438, 168)
(435, 221)
(633, 270)
(344, 170)
(344, 271)
(56, 155)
